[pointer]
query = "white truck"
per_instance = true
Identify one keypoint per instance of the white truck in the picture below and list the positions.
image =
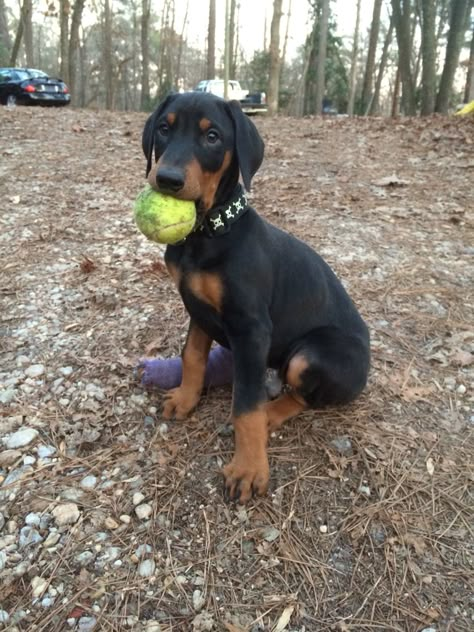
(251, 102)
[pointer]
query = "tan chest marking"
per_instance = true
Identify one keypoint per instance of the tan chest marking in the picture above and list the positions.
(207, 287)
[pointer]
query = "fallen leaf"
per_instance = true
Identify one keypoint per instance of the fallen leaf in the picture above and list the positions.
(430, 466)
(416, 393)
(284, 619)
(76, 612)
(230, 627)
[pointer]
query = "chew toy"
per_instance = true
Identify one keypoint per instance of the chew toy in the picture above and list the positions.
(167, 373)
(163, 218)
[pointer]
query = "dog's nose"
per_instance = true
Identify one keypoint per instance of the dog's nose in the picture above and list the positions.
(170, 179)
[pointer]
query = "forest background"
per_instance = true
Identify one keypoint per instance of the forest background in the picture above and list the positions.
(398, 56)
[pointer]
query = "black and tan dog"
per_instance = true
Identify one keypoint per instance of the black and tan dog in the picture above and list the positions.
(249, 286)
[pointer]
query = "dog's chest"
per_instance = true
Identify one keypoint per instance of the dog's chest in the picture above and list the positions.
(202, 294)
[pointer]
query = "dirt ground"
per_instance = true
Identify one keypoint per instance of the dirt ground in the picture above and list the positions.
(113, 519)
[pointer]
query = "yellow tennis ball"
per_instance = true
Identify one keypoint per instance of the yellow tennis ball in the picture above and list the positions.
(163, 218)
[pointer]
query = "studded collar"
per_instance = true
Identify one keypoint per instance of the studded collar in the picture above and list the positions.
(219, 219)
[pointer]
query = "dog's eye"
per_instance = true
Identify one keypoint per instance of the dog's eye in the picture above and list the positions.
(163, 129)
(212, 136)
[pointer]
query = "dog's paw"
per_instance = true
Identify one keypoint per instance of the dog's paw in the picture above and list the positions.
(179, 402)
(244, 478)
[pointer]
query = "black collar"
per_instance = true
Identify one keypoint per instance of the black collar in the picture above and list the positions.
(218, 219)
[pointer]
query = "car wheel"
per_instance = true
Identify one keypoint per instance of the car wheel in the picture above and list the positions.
(11, 100)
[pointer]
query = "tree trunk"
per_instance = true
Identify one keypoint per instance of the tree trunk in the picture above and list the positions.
(285, 42)
(370, 63)
(16, 43)
(274, 81)
(28, 32)
(428, 51)
(396, 94)
(469, 89)
(401, 16)
(22, 29)
(5, 39)
(265, 28)
(443, 14)
(64, 11)
(232, 57)
(457, 28)
(236, 41)
(180, 46)
(74, 46)
(226, 51)
(136, 35)
(145, 49)
(374, 105)
(320, 70)
(107, 57)
(355, 52)
(83, 73)
(211, 41)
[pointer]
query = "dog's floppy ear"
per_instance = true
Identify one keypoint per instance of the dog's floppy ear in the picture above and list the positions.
(249, 145)
(148, 137)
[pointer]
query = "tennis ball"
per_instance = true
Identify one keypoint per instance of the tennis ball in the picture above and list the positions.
(163, 218)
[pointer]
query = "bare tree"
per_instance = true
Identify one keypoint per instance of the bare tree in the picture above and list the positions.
(74, 45)
(285, 41)
(5, 39)
(145, 51)
(166, 50)
(181, 40)
(428, 48)
(265, 28)
(232, 38)
(402, 18)
(395, 110)
(374, 105)
(275, 60)
(211, 41)
(469, 88)
(24, 31)
(27, 15)
(322, 49)
(370, 63)
(107, 62)
(226, 51)
(355, 52)
(64, 11)
(457, 27)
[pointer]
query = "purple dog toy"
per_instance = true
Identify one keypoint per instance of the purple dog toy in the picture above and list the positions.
(167, 373)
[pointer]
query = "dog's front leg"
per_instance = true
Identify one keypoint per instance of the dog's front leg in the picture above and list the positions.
(181, 401)
(248, 472)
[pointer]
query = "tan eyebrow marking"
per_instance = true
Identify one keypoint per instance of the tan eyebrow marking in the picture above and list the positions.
(204, 124)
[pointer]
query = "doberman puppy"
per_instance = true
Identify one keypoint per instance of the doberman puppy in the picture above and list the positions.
(253, 288)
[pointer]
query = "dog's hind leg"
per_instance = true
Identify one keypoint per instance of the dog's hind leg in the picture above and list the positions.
(328, 367)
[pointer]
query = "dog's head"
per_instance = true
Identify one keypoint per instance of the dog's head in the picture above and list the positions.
(197, 144)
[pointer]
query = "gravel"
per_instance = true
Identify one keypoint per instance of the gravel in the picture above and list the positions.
(146, 568)
(66, 514)
(144, 511)
(21, 438)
